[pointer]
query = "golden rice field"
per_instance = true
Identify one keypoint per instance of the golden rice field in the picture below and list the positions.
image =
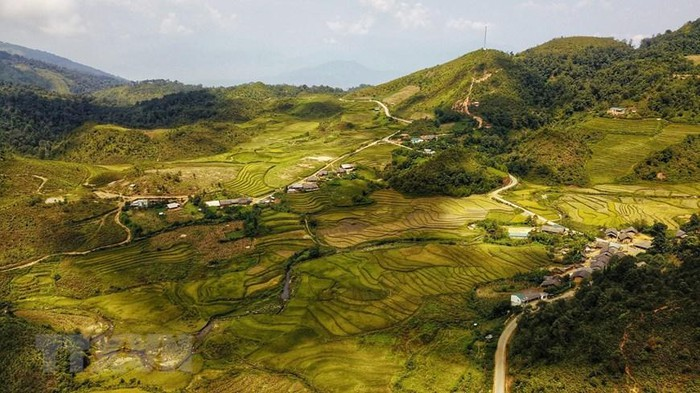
(628, 142)
(396, 216)
(344, 296)
(615, 211)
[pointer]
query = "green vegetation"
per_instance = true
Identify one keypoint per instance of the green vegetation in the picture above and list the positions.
(632, 329)
(453, 172)
(26, 71)
(136, 92)
(677, 163)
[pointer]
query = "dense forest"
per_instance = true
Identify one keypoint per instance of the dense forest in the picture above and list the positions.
(636, 324)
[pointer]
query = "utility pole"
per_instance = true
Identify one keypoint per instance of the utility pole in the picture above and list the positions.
(486, 30)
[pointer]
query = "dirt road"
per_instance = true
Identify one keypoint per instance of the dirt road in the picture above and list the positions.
(501, 361)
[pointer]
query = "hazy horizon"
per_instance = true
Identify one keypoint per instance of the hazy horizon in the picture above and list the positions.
(216, 42)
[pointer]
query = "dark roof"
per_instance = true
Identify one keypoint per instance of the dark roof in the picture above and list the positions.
(630, 230)
(626, 236)
(550, 281)
(528, 295)
(584, 273)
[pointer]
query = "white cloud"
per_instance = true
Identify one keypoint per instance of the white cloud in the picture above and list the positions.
(380, 5)
(637, 39)
(171, 26)
(360, 27)
(55, 17)
(330, 41)
(413, 16)
(465, 24)
(221, 20)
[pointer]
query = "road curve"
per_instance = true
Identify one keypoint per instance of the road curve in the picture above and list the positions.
(501, 361)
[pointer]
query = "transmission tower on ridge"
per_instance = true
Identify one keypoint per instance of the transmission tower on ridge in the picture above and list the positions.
(486, 30)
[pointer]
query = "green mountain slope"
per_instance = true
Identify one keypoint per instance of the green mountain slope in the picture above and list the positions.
(448, 85)
(22, 70)
(52, 59)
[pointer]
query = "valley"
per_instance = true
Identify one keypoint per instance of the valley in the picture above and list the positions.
(162, 237)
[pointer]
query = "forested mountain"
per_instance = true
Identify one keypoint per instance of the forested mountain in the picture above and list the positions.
(28, 71)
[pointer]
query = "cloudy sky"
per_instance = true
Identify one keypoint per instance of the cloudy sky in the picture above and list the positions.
(231, 41)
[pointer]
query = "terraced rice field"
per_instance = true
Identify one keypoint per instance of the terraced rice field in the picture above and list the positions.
(339, 297)
(395, 216)
(628, 142)
(616, 211)
(250, 180)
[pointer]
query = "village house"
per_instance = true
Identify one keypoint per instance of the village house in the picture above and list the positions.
(625, 237)
(296, 187)
(139, 204)
(312, 179)
(323, 173)
(341, 171)
(611, 233)
(582, 274)
(553, 229)
(551, 281)
(429, 151)
(429, 137)
(348, 167)
(309, 187)
(212, 204)
(681, 234)
(643, 245)
(173, 205)
(416, 141)
(526, 296)
(617, 111)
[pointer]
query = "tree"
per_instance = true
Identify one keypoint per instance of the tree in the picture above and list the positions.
(659, 244)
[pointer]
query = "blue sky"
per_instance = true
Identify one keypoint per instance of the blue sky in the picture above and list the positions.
(233, 41)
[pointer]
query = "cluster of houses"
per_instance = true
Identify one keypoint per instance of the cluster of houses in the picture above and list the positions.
(598, 255)
(244, 201)
(311, 183)
(418, 139)
(146, 203)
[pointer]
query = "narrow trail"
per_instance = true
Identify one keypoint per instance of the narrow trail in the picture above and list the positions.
(43, 179)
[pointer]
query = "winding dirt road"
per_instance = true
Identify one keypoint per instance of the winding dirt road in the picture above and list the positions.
(117, 220)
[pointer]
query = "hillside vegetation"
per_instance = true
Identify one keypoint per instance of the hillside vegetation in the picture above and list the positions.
(106, 144)
(135, 92)
(677, 163)
(635, 328)
(455, 172)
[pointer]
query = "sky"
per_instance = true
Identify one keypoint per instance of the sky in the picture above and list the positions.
(224, 42)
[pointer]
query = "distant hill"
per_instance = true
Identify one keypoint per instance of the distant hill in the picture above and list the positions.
(50, 58)
(343, 74)
(40, 69)
(135, 92)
